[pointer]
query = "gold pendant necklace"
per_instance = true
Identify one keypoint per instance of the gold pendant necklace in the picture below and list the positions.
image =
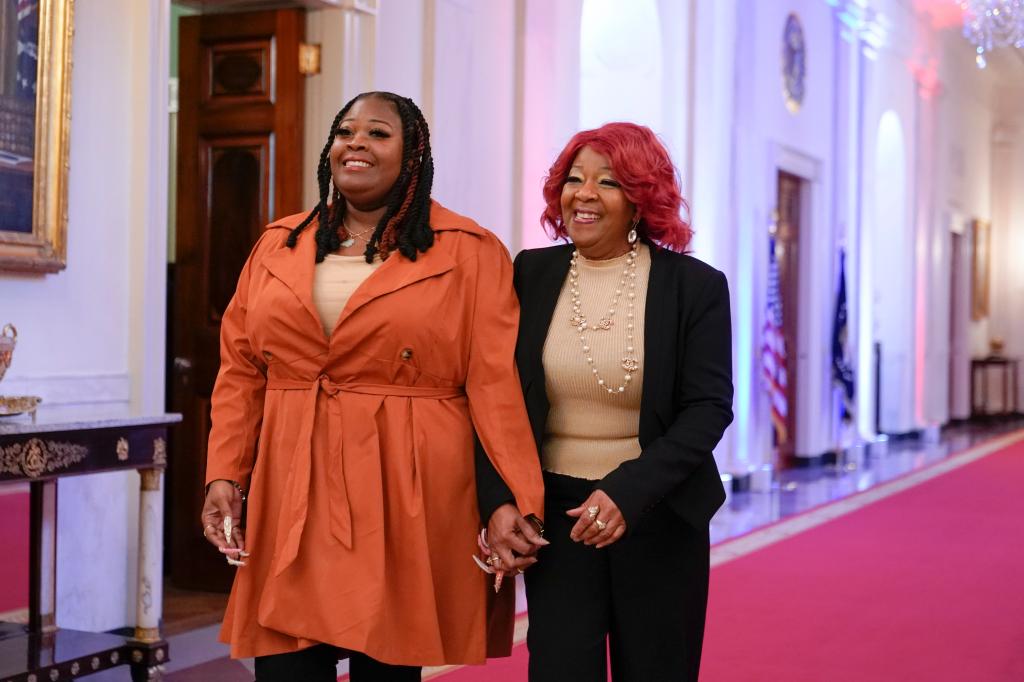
(353, 235)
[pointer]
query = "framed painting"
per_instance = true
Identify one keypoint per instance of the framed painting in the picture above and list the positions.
(35, 109)
(980, 270)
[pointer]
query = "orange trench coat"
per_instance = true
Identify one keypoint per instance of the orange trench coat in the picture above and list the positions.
(356, 451)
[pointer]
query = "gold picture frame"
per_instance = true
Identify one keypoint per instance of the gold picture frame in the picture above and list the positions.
(981, 235)
(39, 244)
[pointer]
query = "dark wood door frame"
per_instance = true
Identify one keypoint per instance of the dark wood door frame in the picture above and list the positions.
(240, 148)
(789, 199)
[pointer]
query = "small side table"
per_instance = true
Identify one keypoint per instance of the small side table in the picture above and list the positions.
(981, 368)
(41, 454)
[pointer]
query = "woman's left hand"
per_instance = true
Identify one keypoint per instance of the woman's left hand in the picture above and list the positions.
(509, 535)
(601, 527)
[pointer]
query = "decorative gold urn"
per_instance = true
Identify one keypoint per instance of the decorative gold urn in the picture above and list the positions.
(11, 405)
(8, 339)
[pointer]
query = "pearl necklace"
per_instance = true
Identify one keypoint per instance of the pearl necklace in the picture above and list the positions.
(630, 363)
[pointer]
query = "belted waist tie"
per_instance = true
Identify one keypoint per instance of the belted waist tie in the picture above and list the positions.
(295, 506)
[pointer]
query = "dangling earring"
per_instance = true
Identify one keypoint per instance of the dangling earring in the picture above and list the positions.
(632, 236)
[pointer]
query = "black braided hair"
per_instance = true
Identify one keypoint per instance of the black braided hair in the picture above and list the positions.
(405, 225)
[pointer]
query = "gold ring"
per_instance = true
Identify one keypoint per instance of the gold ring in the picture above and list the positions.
(493, 560)
(592, 512)
(601, 525)
(207, 528)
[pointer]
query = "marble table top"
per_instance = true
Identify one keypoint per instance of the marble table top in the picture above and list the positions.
(23, 425)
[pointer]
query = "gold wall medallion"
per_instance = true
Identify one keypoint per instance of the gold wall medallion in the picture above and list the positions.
(794, 64)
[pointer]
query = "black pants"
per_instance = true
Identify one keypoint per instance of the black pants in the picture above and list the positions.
(318, 664)
(644, 598)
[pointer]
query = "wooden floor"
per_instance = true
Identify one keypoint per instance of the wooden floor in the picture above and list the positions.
(186, 610)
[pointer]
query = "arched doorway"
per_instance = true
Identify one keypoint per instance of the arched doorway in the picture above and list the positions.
(893, 279)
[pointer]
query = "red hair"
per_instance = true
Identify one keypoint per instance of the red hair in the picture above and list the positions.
(642, 166)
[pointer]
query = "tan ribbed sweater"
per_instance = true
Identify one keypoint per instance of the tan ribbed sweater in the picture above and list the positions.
(334, 281)
(589, 432)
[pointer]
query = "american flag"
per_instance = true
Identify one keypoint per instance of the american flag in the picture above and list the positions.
(773, 352)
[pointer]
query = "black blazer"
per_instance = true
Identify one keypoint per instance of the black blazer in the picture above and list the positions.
(686, 397)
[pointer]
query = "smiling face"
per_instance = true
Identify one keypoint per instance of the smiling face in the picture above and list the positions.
(366, 157)
(596, 213)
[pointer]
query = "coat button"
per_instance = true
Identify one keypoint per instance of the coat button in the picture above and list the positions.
(406, 353)
(268, 356)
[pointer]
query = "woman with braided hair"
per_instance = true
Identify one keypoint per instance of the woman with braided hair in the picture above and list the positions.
(367, 344)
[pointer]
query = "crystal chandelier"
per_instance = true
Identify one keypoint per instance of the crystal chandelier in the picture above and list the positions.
(993, 23)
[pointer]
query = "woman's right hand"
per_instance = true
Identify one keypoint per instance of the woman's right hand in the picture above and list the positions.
(508, 531)
(224, 500)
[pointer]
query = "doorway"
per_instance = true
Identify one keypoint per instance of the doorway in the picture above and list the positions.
(239, 158)
(790, 201)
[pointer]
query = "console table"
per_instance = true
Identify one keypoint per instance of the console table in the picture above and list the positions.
(41, 453)
(981, 367)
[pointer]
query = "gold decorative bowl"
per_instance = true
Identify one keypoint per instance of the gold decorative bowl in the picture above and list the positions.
(8, 339)
(12, 405)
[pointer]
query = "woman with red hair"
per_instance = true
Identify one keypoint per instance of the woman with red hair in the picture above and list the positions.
(625, 359)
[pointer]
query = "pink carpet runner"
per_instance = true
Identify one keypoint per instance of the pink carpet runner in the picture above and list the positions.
(927, 584)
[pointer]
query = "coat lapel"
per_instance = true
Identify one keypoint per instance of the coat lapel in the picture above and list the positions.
(397, 272)
(661, 298)
(294, 268)
(540, 306)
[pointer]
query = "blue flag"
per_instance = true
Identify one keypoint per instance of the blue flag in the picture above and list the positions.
(842, 372)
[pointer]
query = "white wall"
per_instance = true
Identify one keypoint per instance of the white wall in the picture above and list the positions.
(550, 102)
(473, 117)
(91, 338)
(979, 162)
(762, 138)
(501, 86)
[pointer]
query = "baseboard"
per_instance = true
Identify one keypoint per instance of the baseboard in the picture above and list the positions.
(808, 461)
(913, 434)
(741, 482)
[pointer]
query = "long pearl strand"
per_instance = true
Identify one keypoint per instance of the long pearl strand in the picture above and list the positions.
(630, 363)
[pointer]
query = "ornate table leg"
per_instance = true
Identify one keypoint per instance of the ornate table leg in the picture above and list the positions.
(42, 608)
(149, 601)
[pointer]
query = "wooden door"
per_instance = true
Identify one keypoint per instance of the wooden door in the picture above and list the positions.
(239, 168)
(787, 253)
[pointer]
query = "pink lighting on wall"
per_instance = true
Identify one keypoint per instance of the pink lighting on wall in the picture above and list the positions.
(941, 14)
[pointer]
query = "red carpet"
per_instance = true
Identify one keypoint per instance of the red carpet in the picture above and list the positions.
(14, 541)
(923, 585)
